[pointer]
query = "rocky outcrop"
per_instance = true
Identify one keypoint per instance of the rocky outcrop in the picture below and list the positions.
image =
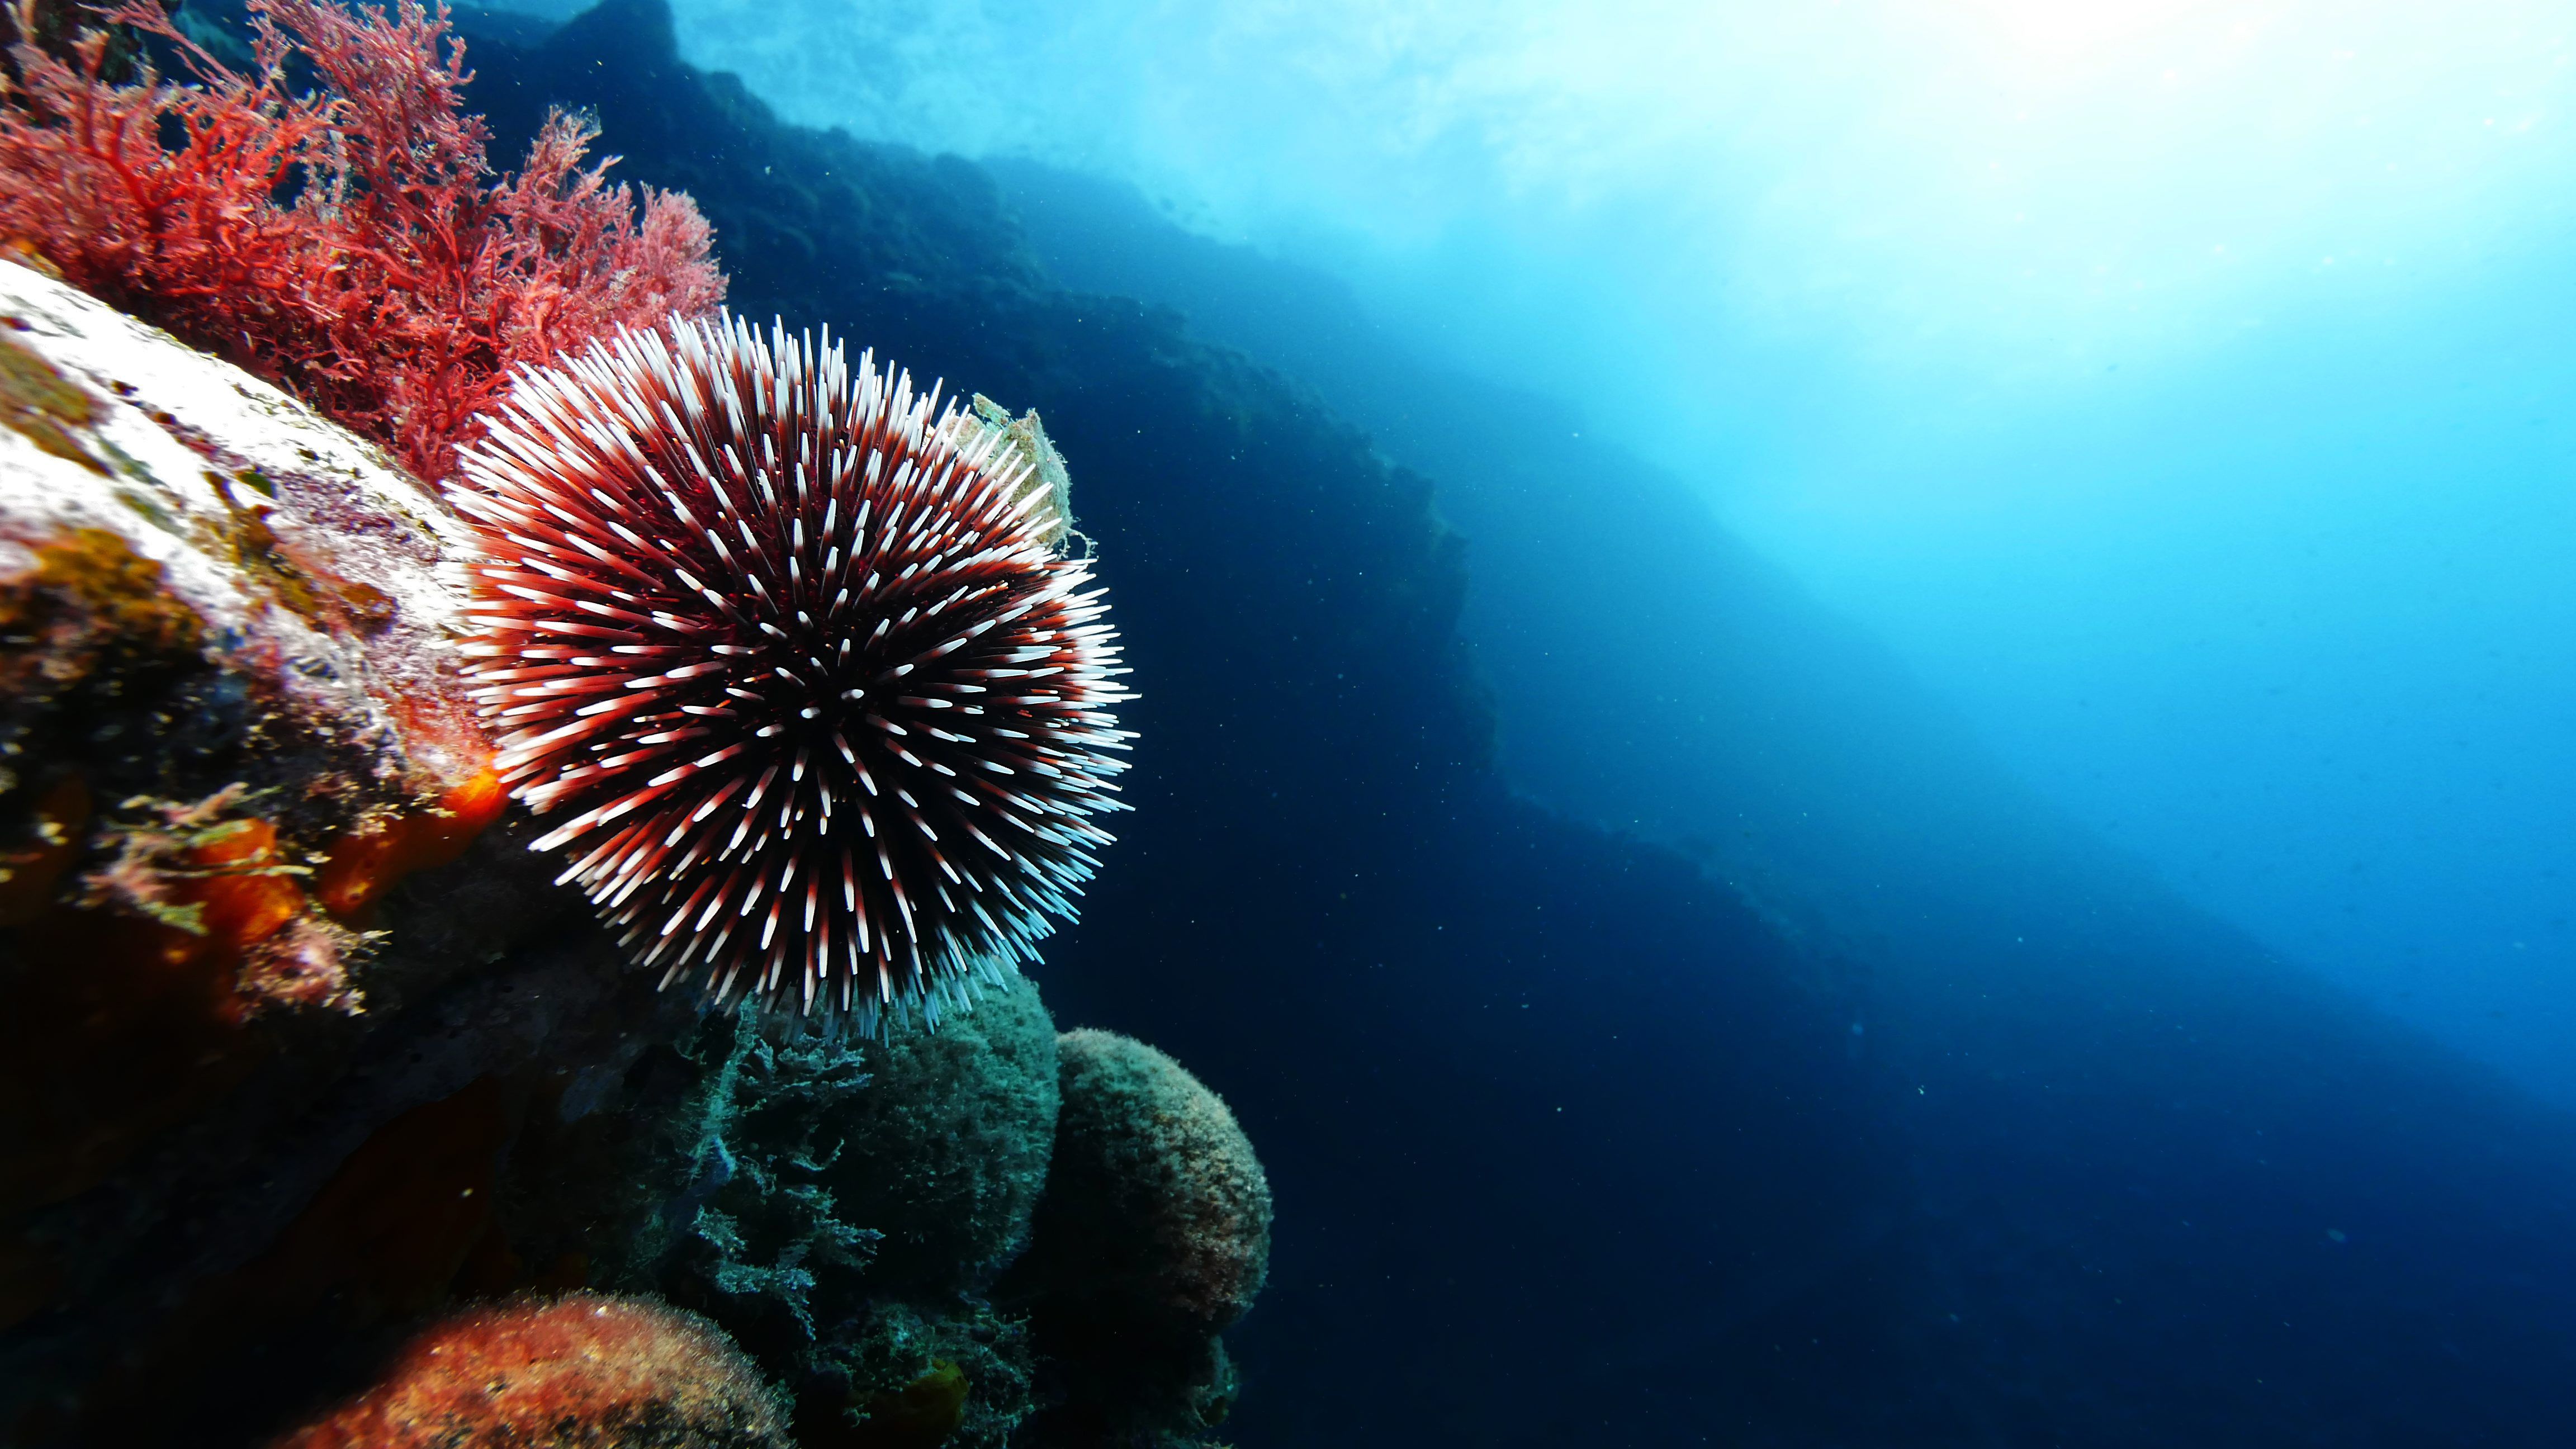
(282, 978)
(306, 1048)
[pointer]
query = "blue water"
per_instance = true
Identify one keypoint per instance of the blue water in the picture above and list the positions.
(2172, 386)
(2024, 559)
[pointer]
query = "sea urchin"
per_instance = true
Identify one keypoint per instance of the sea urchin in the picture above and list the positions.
(790, 640)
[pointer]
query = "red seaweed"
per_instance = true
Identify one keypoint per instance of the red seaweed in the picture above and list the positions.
(347, 241)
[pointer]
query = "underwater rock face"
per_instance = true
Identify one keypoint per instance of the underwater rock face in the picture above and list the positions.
(307, 561)
(259, 909)
(583, 1372)
(228, 717)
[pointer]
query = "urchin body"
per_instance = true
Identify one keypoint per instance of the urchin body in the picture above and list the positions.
(786, 637)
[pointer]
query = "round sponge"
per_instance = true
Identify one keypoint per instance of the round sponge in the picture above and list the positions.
(1155, 1196)
(945, 1150)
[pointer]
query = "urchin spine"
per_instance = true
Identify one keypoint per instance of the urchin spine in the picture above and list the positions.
(833, 717)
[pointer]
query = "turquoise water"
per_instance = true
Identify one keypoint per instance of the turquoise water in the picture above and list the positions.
(2175, 388)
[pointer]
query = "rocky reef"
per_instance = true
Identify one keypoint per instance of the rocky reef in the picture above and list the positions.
(332, 1117)
(1324, 905)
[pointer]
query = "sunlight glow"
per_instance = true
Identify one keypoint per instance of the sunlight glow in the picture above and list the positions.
(2023, 179)
(2180, 385)
(2053, 33)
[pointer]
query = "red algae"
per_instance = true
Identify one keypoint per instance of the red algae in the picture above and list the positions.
(584, 1370)
(347, 239)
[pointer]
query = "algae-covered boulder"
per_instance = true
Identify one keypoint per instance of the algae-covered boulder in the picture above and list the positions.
(758, 1160)
(836, 1203)
(200, 573)
(586, 1369)
(948, 1148)
(1156, 1195)
(960, 1378)
(281, 975)
(1153, 1236)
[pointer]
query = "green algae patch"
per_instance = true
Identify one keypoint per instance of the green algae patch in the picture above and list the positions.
(922, 1414)
(44, 406)
(244, 540)
(149, 509)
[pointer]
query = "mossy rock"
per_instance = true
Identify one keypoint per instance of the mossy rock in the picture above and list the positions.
(947, 1148)
(1153, 1237)
(1156, 1194)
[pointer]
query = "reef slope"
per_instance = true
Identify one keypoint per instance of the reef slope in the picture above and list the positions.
(1566, 1129)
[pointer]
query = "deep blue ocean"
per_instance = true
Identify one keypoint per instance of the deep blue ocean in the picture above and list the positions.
(1857, 718)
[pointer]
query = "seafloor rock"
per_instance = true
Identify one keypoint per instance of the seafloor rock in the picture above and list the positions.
(582, 1372)
(224, 725)
(252, 1084)
(1152, 1238)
